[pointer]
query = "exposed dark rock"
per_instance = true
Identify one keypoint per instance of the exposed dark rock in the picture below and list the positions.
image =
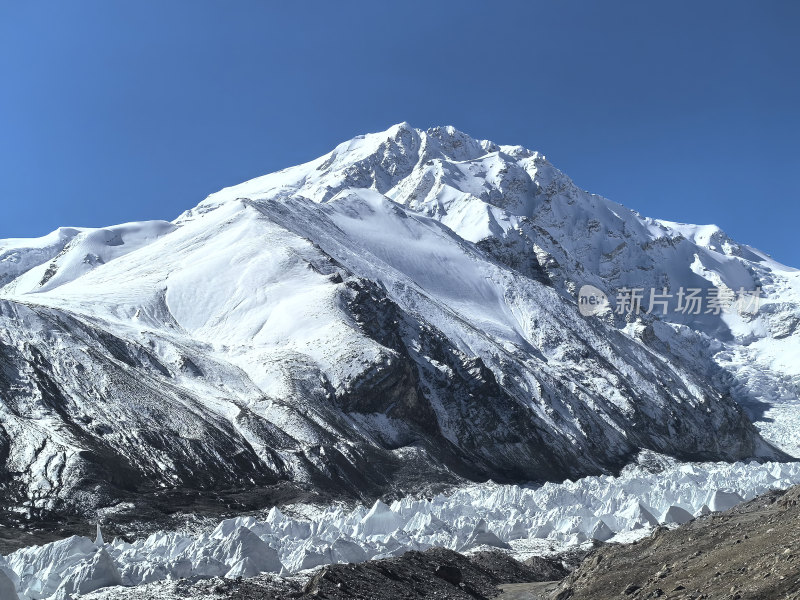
(751, 551)
(435, 573)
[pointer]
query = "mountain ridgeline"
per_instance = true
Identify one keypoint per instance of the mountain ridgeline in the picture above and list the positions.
(397, 315)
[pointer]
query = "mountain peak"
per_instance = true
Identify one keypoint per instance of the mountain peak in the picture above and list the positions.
(399, 127)
(438, 159)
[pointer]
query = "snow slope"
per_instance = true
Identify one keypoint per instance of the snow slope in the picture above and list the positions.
(396, 313)
(527, 214)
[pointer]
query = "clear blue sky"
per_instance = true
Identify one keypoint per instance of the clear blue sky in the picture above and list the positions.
(132, 110)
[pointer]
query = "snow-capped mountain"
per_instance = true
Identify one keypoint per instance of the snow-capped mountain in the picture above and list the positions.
(398, 312)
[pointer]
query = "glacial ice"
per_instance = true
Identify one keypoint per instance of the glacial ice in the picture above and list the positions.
(502, 516)
(8, 590)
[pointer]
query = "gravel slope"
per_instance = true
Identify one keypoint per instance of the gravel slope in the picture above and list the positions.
(750, 552)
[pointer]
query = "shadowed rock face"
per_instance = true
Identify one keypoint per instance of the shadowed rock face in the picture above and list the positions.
(322, 337)
(122, 414)
(115, 439)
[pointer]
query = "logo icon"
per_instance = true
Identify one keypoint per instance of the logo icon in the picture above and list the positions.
(591, 301)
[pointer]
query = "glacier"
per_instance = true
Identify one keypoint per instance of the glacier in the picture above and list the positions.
(523, 520)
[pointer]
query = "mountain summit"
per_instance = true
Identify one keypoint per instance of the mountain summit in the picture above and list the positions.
(398, 314)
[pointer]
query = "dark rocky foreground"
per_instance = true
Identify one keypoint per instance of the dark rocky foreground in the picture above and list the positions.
(436, 573)
(749, 553)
